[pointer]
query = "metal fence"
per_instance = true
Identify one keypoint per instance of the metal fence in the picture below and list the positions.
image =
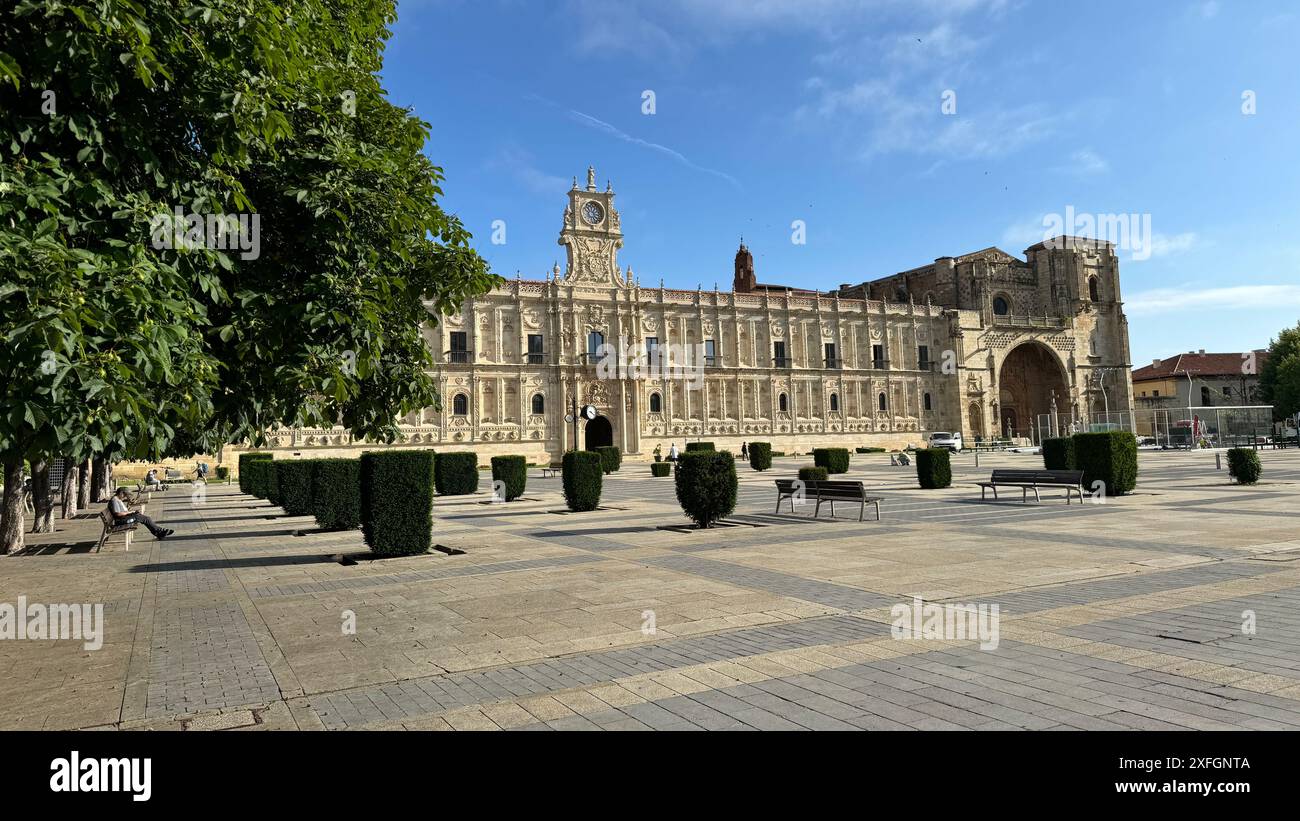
(1206, 426)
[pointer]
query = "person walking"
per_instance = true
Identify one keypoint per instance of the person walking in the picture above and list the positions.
(672, 452)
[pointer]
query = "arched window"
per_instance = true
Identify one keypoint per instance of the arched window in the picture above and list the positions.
(835, 401)
(539, 404)
(880, 400)
(460, 405)
(656, 403)
(927, 402)
(1000, 306)
(782, 403)
(1094, 291)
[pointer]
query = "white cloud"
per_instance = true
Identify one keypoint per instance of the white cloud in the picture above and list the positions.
(519, 164)
(1209, 9)
(1232, 298)
(1086, 163)
(1163, 245)
(600, 125)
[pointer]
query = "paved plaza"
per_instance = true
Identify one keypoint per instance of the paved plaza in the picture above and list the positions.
(1122, 615)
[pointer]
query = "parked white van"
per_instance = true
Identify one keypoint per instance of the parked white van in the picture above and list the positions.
(943, 439)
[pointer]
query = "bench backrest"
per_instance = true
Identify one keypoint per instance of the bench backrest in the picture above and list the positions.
(1060, 477)
(828, 489)
(840, 489)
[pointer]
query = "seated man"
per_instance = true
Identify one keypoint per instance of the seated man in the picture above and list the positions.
(124, 515)
(151, 481)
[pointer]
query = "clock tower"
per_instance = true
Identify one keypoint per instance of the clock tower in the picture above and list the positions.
(592, 235)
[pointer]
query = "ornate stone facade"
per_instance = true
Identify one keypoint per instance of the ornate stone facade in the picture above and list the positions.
(977, 343)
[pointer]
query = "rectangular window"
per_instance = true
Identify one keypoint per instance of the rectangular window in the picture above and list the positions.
(459, 347)
(923, 357)
(1155, 393)
(832, 360)
(878, 357)
(778, 355)
(710, 354)
(536, 354)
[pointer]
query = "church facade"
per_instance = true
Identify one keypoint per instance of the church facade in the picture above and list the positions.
(985, 343)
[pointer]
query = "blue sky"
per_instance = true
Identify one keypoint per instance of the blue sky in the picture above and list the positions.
(831, 112)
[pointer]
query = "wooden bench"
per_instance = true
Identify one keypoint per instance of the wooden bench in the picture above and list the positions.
(1028, 480)
(552, 470)
(831, 491)
(112, 527)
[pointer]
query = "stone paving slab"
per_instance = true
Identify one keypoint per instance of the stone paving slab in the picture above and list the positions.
(1127, 614)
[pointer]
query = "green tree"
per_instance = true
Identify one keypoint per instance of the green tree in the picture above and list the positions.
(1279, 378)
(118, 336)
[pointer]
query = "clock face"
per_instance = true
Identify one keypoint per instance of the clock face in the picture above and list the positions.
(593, 213)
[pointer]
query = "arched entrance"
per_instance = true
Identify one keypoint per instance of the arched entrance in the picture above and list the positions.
(599, 433)
(1030, 377)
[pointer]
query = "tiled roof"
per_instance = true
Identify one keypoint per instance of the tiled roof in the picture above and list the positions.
(1198, 364)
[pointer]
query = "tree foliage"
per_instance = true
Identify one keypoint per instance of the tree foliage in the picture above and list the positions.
(1279, 378)
(122, 338)
(116, 112)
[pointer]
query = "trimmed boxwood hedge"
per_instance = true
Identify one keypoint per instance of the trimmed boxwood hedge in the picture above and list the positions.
(336, 494)
(456, 473)
(813, 474)
(256, 477)
(835, 460)
(513, 471)
(870, 450)
(660, 468)
(760, 455)
(706, 485)
(294, 478)
(397, 501)
(610, 458)
(1058, 454)
(273, 483)
(245, 459)
(933, 467)
(1109, 457)
(1243, 465)
(581, 472)
(701, 447)
(223, 473)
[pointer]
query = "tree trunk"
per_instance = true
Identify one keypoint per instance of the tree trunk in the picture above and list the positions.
(11, 514)
(83, 484)
(68, 490)
(43, 521)
(99, 480)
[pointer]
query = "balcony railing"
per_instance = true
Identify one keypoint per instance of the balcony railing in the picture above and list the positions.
(782, 361)
(460, 357)
(536, 358)
(834, 363)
